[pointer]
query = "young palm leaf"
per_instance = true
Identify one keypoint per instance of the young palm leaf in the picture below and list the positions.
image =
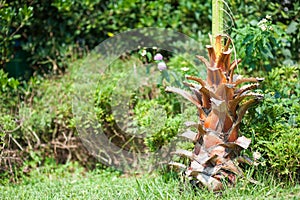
(221, 104)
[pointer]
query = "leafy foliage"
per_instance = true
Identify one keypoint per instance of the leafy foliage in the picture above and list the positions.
(12, 20)
(9, 98)
(152, 111)
(51, 33)
(284, 16)
(275, 122)
(36, 115)
(54, 32)
(36, 122)
(258, 46)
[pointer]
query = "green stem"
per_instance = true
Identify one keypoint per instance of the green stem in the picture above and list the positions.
(217, 17)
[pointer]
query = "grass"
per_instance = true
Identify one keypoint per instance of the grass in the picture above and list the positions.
(72, 182)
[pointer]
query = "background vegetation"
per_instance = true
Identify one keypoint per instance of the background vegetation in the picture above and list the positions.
(47, 34)
(41, 42)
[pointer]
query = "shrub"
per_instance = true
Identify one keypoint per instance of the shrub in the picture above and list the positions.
(8, 100)
(54, 32)
(258, 46)
(51, 33)
(13, 17)
(274, 124)
(150, 108)
(36, 123)
(283, 16)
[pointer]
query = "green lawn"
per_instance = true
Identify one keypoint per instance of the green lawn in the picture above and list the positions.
(74, 183)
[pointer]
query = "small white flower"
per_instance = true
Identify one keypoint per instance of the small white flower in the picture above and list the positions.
(162, 66)
(263, 27)
(268, 16)
(185, 69)
(144, 52)
(256, 155)
(263, 21)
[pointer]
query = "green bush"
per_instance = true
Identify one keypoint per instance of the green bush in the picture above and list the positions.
(275, 123)
(153, 111)
(284, 17)
(12, 20)
(36, 124)
(37, 114)
(50, 33)
(47, 118)
(258, 46)
(9, 90)
(53, 32)
(159, 131)
(8, 100)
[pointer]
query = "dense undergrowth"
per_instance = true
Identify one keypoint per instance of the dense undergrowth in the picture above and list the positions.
(42, 126)
(41, 35)
(37, 126)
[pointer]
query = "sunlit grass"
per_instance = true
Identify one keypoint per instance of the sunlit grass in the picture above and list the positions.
(74, 183)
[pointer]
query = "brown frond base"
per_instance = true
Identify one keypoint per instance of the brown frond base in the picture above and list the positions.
(221, 103)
